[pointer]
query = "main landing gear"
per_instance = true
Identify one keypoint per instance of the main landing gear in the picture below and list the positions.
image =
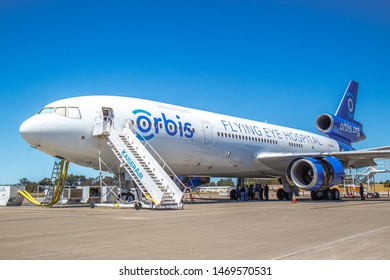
(328, 194)
(281, 194)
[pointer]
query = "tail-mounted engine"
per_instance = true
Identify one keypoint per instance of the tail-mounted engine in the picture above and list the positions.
(339, 129)
(314, 173)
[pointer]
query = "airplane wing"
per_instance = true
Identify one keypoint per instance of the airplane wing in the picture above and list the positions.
(354, 159)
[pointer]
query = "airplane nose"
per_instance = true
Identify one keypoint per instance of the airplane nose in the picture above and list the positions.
(31, 131)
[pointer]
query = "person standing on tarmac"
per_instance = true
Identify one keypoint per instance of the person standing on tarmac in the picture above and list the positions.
(361, 191)
(266, 191)
(257, 190)
(261, 192)
(242, 193)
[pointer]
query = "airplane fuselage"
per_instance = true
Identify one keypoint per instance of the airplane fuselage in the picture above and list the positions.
(192, 142)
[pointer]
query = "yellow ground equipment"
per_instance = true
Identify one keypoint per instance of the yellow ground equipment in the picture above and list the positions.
(53, 194)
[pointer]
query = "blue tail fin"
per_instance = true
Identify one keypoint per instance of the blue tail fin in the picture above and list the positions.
(342, 126)
(346, 109)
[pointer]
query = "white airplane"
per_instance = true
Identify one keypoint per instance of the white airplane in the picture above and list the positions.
(200, 143)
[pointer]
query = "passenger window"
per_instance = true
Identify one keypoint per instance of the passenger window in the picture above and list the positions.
(74, 113)
(61, 111)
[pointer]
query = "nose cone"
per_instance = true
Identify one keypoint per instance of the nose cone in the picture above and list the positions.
(31, 131)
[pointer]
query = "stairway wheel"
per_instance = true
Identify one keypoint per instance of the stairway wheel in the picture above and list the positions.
(137, 205)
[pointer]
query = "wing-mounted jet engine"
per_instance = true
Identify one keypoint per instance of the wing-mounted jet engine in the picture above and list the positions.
(316, 175)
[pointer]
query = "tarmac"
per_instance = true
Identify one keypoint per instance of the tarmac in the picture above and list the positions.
(209, 229)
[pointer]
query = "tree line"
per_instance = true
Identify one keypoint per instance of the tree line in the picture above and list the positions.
(71, 180)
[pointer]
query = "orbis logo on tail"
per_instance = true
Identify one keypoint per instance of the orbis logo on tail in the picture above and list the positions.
(351, 105)
(149, 125)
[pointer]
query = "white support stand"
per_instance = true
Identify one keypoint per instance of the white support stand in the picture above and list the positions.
(9, 195)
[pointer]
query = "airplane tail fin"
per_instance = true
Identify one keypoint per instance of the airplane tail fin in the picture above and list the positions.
(346, 109)
(342, 126)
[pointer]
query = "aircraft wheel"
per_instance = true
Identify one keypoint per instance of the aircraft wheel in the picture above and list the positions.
(314, 195)
(327, 195)
(280, 194)
(233, 195)
(376, 195)
(369, 195)
(289, 196)
(335, 194)
(92, 204)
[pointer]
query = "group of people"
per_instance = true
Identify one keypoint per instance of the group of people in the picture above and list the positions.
(251, 193)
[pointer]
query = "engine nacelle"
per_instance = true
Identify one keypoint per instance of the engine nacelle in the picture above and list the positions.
(314, 173)
(194, 182)
(339, 129)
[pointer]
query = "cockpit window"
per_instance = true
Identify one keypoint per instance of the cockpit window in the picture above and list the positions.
(74, 113)
(61, 111)
(69, 112)
(47, 110)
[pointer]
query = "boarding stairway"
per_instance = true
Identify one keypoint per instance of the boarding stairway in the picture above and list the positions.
(355, 177)
(367, 174)
(56, 187)
(151, 178)
(364, 175)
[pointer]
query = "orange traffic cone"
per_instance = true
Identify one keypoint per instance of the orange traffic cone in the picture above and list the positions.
(294, 199)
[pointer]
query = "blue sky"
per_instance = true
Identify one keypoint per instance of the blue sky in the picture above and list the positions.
(281, 61)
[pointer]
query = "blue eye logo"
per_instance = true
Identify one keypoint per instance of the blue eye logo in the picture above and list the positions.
(350, 104)
(149, 126)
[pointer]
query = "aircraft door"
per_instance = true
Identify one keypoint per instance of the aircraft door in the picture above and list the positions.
(108, 118)
(207, 133)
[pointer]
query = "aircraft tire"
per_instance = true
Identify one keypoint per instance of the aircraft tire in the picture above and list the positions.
(335, 194)
(280, 194)
(369, 195)
(327, 195)
(233, 195)
(376, 195)
(288, 195)
(314, 195)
